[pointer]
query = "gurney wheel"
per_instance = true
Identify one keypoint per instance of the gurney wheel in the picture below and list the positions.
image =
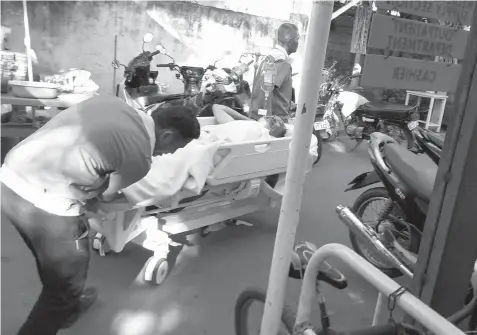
(100, 244)
(156, 270)
(204, 231)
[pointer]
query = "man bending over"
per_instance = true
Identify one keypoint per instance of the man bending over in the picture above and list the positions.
(91, 150)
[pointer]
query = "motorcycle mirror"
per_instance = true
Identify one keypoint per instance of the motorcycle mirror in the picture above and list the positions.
(148, 37)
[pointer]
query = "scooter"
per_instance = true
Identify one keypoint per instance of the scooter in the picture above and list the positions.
(362, 114)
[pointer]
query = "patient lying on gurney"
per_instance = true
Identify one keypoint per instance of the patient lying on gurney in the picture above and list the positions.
(234, 127)
(188, 168)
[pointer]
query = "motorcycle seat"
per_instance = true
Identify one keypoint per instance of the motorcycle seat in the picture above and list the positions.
(387, 110)
(416, 171)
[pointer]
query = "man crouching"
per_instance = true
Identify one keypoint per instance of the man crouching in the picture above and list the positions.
(91, 150)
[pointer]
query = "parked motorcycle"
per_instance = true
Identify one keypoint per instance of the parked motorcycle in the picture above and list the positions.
(390, 239)
(141, 91)
(408, 181)
(139, 86)
(361, 114)
(226, 86)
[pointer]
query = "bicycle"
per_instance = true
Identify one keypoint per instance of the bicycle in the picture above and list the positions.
(333, 277)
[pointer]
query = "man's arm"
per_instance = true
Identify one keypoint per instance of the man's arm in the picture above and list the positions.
(284, 72)
(134, 167)
(112, 192)
(225, 114)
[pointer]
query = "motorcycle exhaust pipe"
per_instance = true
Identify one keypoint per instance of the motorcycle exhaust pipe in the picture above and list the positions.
(369, 236)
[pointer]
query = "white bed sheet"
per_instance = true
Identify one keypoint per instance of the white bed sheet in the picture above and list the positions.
(188, 168)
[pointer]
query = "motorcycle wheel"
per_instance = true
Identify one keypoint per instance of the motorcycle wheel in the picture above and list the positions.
(368, 253)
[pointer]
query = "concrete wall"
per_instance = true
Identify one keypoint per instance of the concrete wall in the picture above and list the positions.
(81, 34)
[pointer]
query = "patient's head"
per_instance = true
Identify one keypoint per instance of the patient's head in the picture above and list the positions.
(274, 124)
(175, 127)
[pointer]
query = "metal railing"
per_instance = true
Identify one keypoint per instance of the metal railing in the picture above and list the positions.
(411, 305)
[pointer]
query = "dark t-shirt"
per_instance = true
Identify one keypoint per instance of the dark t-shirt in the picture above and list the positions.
(280, 96)
(73, 155)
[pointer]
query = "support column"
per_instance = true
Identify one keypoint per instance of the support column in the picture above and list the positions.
(358, 60)
(448, 248)
(316, 42)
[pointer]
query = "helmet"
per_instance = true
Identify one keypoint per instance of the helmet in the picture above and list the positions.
(274, 124)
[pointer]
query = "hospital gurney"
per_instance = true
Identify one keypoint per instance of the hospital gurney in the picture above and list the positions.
(236, 187)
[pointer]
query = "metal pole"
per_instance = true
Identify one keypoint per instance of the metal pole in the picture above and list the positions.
(447, 251)
(380, 310)
(358, 59)
(344, 9)
(115, 57)
(317, 40)
(27, 41)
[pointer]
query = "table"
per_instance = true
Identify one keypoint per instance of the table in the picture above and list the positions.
(436, 106)
(22, 130)
(12, 133)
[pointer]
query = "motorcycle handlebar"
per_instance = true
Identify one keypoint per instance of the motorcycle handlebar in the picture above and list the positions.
(154, 53)
(170, 65)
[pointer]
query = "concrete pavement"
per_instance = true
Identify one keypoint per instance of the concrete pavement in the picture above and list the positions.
(199, 295)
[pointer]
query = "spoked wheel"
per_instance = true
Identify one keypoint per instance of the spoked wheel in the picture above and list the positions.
(402, 136)
(367, 208)
(249, 311)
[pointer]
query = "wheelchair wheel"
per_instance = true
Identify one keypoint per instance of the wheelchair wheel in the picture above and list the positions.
(244, 314)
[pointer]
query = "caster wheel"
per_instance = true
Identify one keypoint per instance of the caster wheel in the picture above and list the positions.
(156, 270)
(231, 223)
(100, 244)
(204, 232)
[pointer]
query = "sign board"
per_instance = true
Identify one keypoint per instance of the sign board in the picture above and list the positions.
(451, 11)
(409, 74)
(362, 20)
(391, 33)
